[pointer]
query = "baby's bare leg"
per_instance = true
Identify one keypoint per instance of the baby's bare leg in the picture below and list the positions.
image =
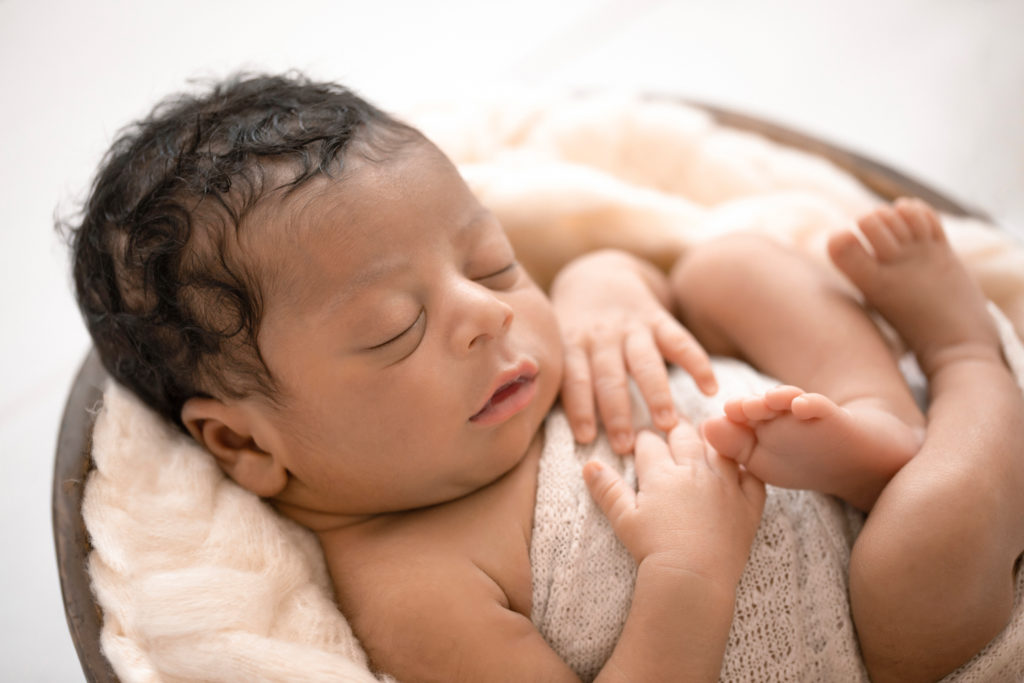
(931, 576)
(751, 298)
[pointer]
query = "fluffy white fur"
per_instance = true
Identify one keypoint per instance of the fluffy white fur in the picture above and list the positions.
(199, 580)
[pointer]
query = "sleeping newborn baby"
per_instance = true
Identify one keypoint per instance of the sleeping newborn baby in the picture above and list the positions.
(309, 289)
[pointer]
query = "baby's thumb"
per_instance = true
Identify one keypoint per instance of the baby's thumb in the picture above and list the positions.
(608, 490)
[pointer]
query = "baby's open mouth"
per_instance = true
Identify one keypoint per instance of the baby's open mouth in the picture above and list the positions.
(506, 401)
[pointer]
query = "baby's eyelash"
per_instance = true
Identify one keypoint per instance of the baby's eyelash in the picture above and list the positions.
(510, 267)
(399, 335)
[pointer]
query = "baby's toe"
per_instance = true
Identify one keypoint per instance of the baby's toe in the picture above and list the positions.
(780, 398)
(875, 228)
(813, 406)
(731, 440)
(848, 253)
(757, 410)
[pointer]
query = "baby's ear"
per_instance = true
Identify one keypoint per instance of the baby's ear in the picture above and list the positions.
(227, 432)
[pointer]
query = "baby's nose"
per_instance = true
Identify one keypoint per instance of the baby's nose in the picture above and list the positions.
(480, 316)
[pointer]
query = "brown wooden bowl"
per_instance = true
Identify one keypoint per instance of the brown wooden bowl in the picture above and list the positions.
(71, 467)
(73, 459)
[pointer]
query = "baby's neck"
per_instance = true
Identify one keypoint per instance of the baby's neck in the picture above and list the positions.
(320, 522)
(330, 524)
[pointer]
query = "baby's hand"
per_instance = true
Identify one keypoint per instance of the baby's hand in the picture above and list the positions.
(694, 511)
(611, 308)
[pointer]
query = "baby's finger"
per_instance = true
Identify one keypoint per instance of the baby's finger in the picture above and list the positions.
(650, 450)
(609, 491)
(612, 393)
(685, 443)
(647, 368)
(727, 469)
(681, 348)
(578, 395)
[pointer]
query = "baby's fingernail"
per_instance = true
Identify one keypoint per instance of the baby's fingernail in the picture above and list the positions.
(666, 417)
(591, 471)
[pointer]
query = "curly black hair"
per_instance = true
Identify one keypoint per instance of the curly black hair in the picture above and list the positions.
(172, 312)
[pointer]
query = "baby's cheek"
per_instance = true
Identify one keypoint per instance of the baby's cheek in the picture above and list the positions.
(535, 312)
(554, 352)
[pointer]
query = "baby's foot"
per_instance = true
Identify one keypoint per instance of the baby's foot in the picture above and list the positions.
(917, 283)
(793, 439)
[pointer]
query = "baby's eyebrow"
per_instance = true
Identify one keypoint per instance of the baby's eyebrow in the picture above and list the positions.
(362, 280)
(476, 221)
(370, 274)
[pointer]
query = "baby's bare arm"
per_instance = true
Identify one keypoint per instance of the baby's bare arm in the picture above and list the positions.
(458, 626)
(449, 621)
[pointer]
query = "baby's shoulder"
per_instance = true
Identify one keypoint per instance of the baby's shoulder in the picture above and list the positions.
(395, 572)
(450, 583)
(420, 583)
(479, 541)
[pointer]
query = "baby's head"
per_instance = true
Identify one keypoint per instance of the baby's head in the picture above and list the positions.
(171, 300)
(307, 286)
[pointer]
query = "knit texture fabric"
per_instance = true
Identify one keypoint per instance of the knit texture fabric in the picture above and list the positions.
(792, 619)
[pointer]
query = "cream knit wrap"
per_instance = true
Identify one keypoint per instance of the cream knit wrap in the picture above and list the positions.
(792, 620)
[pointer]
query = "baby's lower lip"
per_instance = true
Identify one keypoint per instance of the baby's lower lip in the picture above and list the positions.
(506, 402)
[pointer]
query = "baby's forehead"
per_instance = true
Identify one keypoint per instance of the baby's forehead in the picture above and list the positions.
(370, 207)
(323, 205)
(288, 229)
(293, 237)
(366, 196)
(296, 226)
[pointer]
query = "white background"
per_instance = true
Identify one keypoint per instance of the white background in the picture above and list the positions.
(932, 87)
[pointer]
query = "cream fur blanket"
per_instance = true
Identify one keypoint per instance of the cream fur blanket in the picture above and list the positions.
(199, 580)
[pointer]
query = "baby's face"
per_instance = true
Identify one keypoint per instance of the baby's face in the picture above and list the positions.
(416, 359)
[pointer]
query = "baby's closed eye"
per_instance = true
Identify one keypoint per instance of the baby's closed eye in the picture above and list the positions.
(503, 278)
(406, 341)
